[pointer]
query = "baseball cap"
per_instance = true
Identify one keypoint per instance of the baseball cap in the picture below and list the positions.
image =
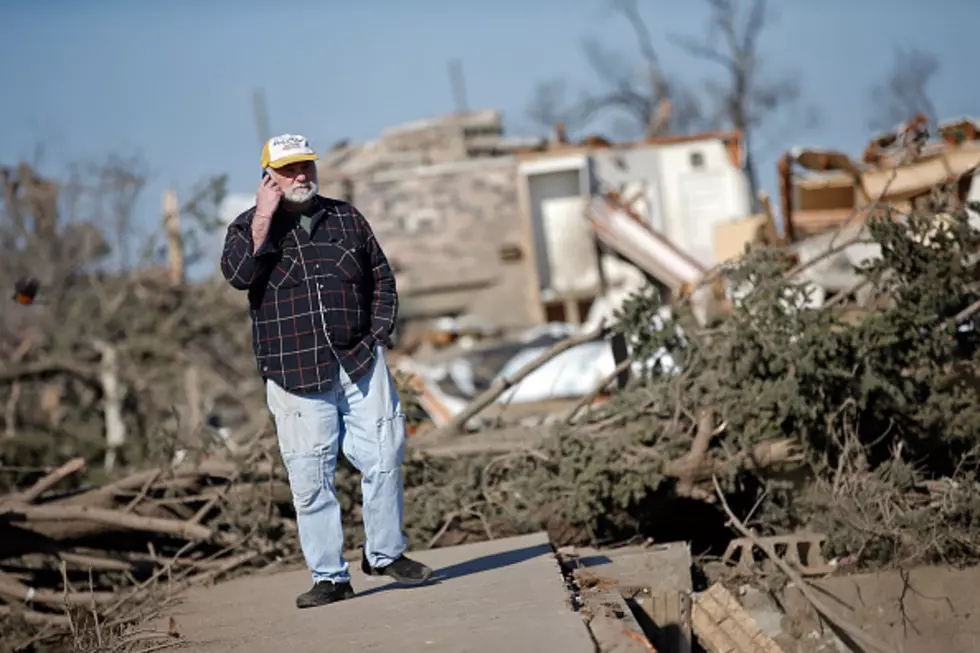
(285, 149)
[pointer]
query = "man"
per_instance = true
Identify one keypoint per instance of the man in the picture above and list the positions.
(323, 305)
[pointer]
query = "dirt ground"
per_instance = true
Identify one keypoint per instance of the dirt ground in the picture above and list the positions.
(925, 609)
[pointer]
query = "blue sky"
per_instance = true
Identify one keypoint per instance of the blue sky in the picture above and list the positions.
(172, 80)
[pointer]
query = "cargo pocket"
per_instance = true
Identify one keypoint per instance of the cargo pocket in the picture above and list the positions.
(391, 442)
(305, 472)
(301, 454)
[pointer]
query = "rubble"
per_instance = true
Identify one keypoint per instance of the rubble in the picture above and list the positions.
(822, 190)
(847, 442)
(801, 550)
(723, 626)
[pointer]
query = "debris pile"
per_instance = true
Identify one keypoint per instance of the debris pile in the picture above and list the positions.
(856, 420)
(115, 548)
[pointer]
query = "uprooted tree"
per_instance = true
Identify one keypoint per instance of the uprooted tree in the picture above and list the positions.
(862, 423)
(882, 401)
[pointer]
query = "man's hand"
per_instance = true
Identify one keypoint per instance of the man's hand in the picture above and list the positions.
(266, 202)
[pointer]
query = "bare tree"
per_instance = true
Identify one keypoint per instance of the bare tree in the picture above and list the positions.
(746, 98)
(649, 100)
(905, 91)
(197, 219)
(102, 354)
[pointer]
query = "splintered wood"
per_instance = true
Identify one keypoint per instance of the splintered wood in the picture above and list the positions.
(123, 546)
(670, 612)
(613, 625)
(723, 626)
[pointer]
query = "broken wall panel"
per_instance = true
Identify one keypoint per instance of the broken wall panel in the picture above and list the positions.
(822, 189)
(649, 251)
(572, 258)
(690, 186)
(906, 181)
(445, 228)
(731, 238)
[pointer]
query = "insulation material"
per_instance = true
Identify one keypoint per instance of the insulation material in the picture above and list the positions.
(573, 373)
(571, 245)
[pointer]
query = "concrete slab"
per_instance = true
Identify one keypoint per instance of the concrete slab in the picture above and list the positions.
(655, 568)
(504, 595)
(656, 582)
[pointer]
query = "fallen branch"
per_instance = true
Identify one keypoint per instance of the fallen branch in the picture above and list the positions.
(699, 447)
(35, 618)
(12, 588)
(589, 398)
(96, 562)
(48, 481)
(107, 517)
(692, 471)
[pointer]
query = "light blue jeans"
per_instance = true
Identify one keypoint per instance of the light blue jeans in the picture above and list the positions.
(365, 420)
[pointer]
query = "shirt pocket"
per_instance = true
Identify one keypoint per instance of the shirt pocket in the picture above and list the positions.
(348, 258)
(288, 273)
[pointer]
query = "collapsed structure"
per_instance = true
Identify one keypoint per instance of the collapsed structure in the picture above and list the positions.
(488, 230)
(531, 239)
(640, 467)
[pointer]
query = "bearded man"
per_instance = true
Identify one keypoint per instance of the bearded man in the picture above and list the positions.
(323, 305)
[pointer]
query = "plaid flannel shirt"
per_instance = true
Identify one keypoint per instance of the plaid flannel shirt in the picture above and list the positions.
(317, 299)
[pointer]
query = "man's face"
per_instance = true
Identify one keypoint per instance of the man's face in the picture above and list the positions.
(297, 181)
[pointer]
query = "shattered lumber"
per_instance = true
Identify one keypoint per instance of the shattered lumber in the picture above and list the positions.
(723, 626)
(110, 548)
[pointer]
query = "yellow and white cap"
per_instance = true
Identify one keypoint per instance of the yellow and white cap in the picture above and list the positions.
(285, 149)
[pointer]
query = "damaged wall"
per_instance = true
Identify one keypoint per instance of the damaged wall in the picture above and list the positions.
(453, 228)
(441, 194)
(688, 188)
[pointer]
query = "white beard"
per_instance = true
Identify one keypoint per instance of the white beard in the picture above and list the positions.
(300, 194)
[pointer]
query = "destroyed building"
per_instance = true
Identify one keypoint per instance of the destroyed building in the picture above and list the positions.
(821, 189)
(493, 230)
(441, 196)
(826, 196)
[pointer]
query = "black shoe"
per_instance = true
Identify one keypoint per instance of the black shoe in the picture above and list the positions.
(404, 570)
(324, 592)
